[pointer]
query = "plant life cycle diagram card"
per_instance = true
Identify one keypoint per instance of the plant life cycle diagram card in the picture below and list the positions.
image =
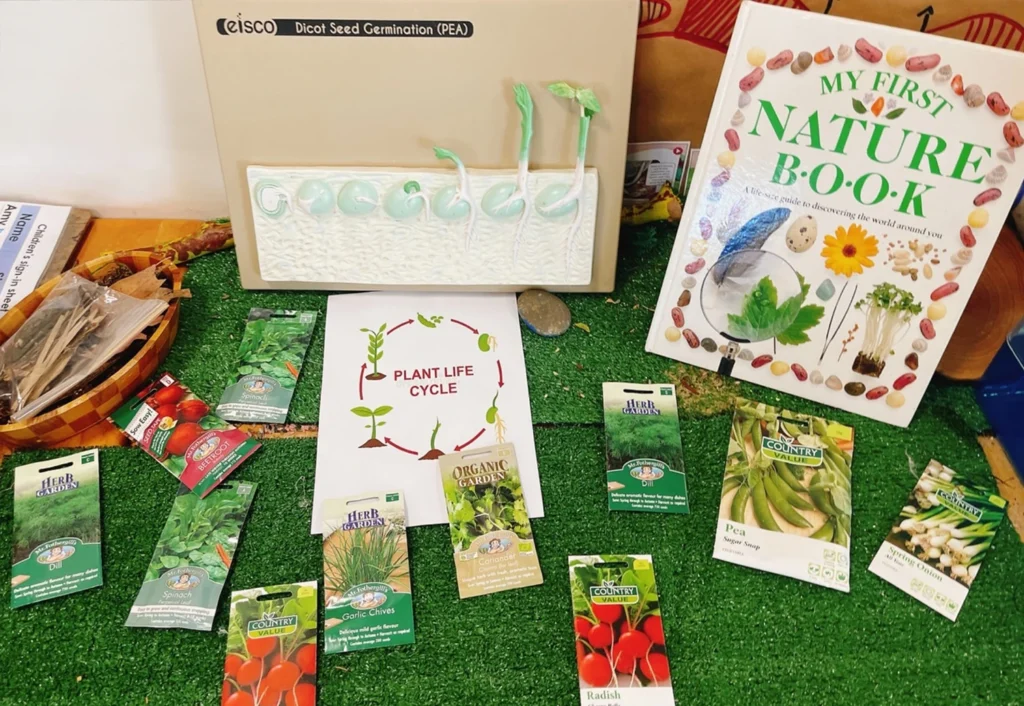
(852, 182)
(410, 377)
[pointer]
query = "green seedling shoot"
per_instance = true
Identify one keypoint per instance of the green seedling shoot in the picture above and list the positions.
(374, 351)
(506, 200)
(434, 452)
(494, 418)
(454, 202)
(373, 442)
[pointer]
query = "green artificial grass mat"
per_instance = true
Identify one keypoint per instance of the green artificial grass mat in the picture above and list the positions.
(734, 634)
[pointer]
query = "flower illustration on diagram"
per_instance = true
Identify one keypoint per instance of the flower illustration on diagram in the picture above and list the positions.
(849, 251)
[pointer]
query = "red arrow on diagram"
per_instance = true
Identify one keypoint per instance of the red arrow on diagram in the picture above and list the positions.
(501, 379)
(460, 447)
(395, 328)
(460, 323)
(389, 442)
(362, 374)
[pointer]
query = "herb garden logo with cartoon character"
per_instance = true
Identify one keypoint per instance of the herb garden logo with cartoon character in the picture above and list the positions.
(364, 598)
(56, 554)
(258, 386)
(182, 581)
(206, 448)
(495, 545)
(647, 470)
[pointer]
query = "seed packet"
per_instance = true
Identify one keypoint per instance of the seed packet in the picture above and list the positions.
(943, 533)
(57, 539)
(490, 528)
(643, 449)
(192, 559)
(367, 587)
(178, 429)
(269, 360)
(620, 639)
(271, 657)
(786, 503)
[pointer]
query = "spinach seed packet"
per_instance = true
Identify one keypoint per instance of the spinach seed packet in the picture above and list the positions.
(269, 360)
(643, 449)
(57, 548)
(490, 528)
(192, 559)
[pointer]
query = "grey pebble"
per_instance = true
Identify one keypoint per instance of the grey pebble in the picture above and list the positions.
(709, 345)
(817, 378)
(825, 290)
(920, 345)
(746, 354)
(834, 383)
(689, 282)
(543, 312)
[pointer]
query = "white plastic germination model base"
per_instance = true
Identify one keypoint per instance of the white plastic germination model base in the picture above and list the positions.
(294, 245)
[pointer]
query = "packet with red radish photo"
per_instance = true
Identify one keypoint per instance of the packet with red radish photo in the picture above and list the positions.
(620, 639)
(271, 656)
(181, 432)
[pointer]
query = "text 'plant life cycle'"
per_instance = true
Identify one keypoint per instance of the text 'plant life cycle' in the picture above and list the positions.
(414, 377)
(852, 183)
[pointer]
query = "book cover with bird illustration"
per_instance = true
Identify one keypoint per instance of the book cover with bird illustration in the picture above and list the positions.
(852, 181)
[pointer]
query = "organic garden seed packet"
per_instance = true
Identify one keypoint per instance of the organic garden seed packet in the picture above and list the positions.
(643, 448)
(936, 547)
(271, 656)
(192, 559)
(178, 429)
(57, 548)
(490, 528)
(786, 503)
(367, 587)
(269, 360)
(620, 639)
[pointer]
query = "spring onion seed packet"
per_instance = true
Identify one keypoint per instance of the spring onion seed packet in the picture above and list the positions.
(943, 533)
(193, 556)
(643, 448)
(269, 360)
(490, 528)
(57, 538)
(367, 587)
(178, 430)
(620, 639)
(786, 503)
(271, 656)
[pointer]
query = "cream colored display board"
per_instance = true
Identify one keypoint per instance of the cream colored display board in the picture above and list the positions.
(326, 109)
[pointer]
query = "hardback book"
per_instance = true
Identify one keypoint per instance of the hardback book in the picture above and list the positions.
(851, 184)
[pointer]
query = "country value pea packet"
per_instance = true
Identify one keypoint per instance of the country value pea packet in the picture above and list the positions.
(786, 495)
(644, 449)
(367, 586)
(935, 549)
(184, 436)
(271, 653)
(57, 536)
(269, 361)
(490, 529)
(620, 638)
(192, 559)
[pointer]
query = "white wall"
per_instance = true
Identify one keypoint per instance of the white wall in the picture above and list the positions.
(103, 105)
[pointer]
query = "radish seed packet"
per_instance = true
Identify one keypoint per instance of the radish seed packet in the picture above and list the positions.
(487, 516)
(192, 559)
(269, 360)
(367, 587)
(620, 638)
(271, 655)
(935, 549)
(178, 430)
(57, 538)
(643, 449)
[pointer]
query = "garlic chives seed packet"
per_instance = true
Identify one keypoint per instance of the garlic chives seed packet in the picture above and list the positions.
(192, 559)
(621, 655)
(491, 536)
(184, 436)
(786, 501)
(367, 586)
(935, 549)
(643, 449)
(57, 548)
(269, 360)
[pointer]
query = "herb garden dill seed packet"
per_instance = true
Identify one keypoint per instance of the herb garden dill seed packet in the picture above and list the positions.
(643, 448)
(786, 503)
(192, 559)
(935, 549)
(57, 549)
(367, 587)
(620, 639)
(490, 528)
(269, 360)
(271, 655)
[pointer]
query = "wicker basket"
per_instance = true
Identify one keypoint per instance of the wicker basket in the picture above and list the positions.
(81, 413)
